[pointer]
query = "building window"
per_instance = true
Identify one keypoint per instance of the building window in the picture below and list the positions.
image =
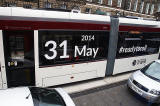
(147, 8)
(88, 10)
(135, 5)
(141, 7)
(119, 3)
(110, 2)
(27, 6)
(152, 9)
(89, 0)
(100, 1)
(16, 43)
(63, 6)
(47, 5)
(30, 0)
(19, 42)
(128, 5)
(158, 10)
(10, 4)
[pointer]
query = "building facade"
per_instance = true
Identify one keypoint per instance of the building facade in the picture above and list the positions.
(138, 8)
(54, 4)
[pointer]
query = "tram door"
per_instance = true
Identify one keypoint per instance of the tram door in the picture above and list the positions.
(19, 58)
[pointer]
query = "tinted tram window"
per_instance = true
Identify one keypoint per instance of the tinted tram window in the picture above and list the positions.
(19, 57)
(139, 44)
(60, 47)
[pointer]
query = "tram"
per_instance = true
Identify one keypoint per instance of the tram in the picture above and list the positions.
(47, 48)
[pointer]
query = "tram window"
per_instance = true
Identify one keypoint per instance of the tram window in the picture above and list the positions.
(60, 47)
(130, 45)
(19, 57)
(20, 50)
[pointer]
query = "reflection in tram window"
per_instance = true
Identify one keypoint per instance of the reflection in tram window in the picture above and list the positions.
(16, 45)
(20, 50)
(19, 56)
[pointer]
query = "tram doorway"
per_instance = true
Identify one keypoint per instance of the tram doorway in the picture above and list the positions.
(19, 57)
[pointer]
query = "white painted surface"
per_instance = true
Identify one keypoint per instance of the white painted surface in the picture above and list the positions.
(27, 13)
(1, 82)
(50, 76)
(151, 85)
(3, 78)
(137, 21)
(36, 58)
(146, 81)
(90, 84)
(21, 12)
(57, 80)
(15, 97)
(5, 11)
(65, 96)
(89, 17)
(125, 64)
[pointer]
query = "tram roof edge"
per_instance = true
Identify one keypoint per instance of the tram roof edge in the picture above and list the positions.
(22, 12)
(138, 22)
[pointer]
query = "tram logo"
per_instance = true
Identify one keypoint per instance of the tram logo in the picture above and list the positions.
(138, 62)
(133, 49)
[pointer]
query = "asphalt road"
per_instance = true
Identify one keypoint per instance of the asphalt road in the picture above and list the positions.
(114, 95)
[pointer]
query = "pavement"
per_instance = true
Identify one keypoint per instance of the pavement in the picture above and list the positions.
(95, 83)
(117, 95)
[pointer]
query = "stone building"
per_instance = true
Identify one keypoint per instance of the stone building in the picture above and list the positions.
(49, 4)
(137, 8)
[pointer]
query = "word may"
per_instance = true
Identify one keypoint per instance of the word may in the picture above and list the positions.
(85, 51)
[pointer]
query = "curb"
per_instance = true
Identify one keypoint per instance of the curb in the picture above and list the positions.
(92, 90)
(99, 83)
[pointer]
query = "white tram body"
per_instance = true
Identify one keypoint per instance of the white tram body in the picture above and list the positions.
(50, 74)
(130, 63)
(47, 48)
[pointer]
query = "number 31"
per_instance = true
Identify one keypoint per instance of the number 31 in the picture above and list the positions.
(53, 49)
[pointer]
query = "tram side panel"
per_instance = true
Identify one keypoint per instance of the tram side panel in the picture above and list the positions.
(1, 81)
(70, 56)
(135, 50)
